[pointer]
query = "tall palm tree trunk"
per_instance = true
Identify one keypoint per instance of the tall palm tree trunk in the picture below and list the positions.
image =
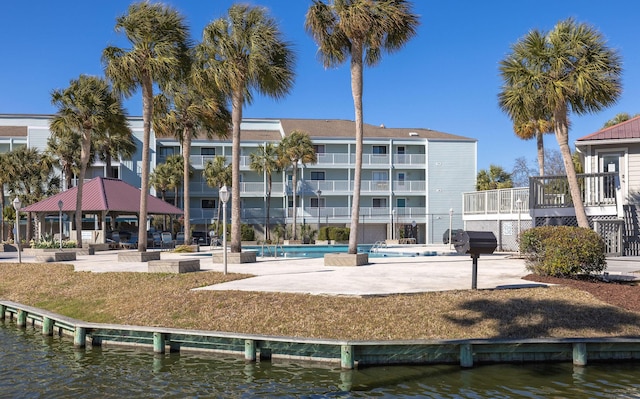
(540, 147)
(84, 161)
(356, 91)
(186, 154)
(294, 189)
(147, 112)
(236, 119)
(562, 136)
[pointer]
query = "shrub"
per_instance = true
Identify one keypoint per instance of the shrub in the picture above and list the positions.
(247, 233)
(562, 251)
(339, 233)
(324, 233)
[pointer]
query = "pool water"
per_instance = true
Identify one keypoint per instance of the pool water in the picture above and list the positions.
(318, 251)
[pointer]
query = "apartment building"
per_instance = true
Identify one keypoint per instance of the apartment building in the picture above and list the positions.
(412, 179)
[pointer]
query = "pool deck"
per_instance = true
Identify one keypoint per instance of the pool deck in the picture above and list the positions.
(382, 276)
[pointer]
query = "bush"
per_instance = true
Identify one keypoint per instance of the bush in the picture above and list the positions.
(562, 251)
(339, 233)
(323, 234)
(247, 233)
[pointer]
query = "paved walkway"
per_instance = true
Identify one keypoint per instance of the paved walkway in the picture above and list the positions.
(383, 276)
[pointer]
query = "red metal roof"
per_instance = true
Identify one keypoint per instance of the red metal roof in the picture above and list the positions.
(625, 130)
(104, 194)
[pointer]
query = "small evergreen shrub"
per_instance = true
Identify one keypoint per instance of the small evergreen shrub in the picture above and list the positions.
(324, 233)
(562, 251)
(247, 233)
(339, 233)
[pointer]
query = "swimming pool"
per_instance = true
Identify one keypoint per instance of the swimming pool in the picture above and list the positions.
(318, 251)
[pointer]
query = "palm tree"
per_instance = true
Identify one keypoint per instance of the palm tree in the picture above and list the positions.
(87, 107)
(618, 118)
(159, 38)
(530, 128)
(242, 53)
(64, 148)
(7, 173)
(359, 30)
(573, 70)
(161, 180)
(116, 144)
(217, 174)
(267, 162)
(294, 149)
(186, 110)
(492, 179)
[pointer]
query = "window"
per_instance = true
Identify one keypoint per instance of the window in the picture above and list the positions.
(380, 175)
(379, 202)
(314, 203)
(317, 175)
(401, 202)
(318, 148)
(208, 203)
(401, 178)
(379, 149)
(164, 152)
(400, 150)
(207, 151)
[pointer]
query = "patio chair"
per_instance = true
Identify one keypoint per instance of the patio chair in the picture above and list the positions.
(167, 240)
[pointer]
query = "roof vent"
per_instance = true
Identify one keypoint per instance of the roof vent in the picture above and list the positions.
(382, 125)
(413, 134)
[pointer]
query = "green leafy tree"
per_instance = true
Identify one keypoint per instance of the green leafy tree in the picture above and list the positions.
(296, 149)
(187, 109)
(359, 31)
(159, 39)
(7, 173)
(494, 178)
(64, 148)
(572, 69)
(242, 53)
(114, 144)
(89, 108)
(162, 180)
(216, 174)
(267, 162)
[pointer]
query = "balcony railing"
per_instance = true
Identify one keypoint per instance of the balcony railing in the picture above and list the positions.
(326, 159)
(497, 201)
(596, 189)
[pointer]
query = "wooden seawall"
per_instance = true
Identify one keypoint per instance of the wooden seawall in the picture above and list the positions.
(349, 354)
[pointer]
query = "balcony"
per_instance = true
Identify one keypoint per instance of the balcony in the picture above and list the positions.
(502, 201)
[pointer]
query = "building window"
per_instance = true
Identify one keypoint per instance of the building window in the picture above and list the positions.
(379, 202)
(401, 179)
(379, 149)
(380, 175)
(318, 148)
(207, 151)
(317, 175)
(314, 203)
(208, 203)
(400, 150)
(165, 152)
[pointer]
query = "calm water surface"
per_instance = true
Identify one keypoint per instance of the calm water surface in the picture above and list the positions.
(32, 366)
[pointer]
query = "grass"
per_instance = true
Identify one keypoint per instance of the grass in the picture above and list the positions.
(168, 300)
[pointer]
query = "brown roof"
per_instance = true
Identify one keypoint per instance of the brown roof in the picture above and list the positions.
(104, 194)
(13, 131)
(625, 130)
(342, 128)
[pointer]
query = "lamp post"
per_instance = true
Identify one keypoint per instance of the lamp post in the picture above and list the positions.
(319, 193)
(413, 231)
(60, 203)
(450, 225)
(17, 205)
(518, 205)
(224, 197)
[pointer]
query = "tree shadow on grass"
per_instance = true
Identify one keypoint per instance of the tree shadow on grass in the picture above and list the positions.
(530, 318)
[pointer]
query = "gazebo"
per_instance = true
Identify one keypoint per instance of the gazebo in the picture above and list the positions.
(104, 197)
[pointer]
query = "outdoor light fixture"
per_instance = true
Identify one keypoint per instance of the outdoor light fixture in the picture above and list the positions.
(17, 205)
(224, 195)
(60, 204)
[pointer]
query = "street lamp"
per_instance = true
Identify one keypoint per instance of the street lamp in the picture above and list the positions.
(319, 193)
(450, 225)
(17, 205)
(60, 203)
(224, 194)
(413, 230)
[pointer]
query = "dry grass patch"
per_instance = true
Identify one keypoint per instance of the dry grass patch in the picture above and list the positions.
(168, 300)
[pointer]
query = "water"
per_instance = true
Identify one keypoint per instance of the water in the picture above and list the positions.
(32, 366)
(318, 251)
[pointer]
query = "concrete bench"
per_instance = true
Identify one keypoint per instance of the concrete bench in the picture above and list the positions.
(174, 266)
(55, 256)
(135, 256)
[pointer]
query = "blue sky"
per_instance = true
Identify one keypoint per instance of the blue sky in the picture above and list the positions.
(445, 79)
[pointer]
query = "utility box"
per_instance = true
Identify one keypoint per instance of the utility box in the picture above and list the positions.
(474, 243)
